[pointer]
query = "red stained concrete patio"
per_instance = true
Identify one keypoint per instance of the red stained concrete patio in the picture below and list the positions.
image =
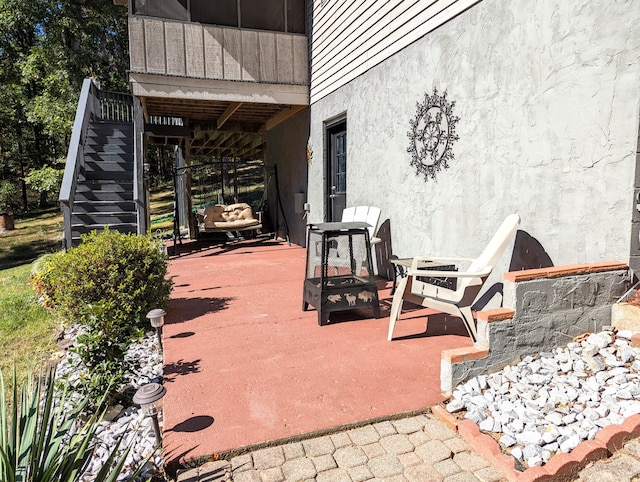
(245, 365)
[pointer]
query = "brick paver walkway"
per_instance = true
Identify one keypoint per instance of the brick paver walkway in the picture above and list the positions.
(414, 449)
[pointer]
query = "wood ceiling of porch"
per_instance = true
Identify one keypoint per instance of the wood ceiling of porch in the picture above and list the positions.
(216, 128)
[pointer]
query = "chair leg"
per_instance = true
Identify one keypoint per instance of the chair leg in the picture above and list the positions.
(469, 322)
(396, 306)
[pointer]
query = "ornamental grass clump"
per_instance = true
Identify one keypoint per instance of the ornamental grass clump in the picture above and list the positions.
(42, 438)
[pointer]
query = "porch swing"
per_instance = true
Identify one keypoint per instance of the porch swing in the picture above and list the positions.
(224, 216)
(215, 217)
(232, 218)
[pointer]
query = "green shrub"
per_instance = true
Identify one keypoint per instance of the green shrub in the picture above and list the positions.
(124, 270)
(101, 349)
(105, 340)
(107, 284)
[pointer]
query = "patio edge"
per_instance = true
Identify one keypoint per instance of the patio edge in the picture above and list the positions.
(176, 465)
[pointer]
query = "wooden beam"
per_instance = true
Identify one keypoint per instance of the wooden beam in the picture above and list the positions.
(281, 117)
(164, 86)
(143, 101)
(249, 146)
(251, 139)
(233, 146)
(229, 145)
(234, 106)
(156, 130)
(229, 126)
(215, 137)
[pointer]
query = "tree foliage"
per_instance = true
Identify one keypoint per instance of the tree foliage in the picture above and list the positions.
(46, 181)
(47, 48)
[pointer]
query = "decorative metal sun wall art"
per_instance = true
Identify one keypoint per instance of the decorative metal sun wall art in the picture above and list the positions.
(432, 134)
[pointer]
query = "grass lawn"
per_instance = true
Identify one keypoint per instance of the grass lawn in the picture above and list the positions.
(35, 235)
(161, 204)
(27, 330)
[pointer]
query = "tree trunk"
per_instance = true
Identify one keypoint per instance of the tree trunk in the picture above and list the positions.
(6, 222)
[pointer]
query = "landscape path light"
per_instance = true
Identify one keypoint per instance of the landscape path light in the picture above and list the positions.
(156, 317)
(148, 397)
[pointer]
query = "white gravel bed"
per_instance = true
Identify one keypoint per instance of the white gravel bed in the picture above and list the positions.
(551, 402)
(130, 422)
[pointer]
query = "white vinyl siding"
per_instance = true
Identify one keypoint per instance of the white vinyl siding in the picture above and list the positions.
(350, 37)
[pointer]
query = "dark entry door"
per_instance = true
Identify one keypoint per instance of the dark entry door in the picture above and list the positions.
(336, 188)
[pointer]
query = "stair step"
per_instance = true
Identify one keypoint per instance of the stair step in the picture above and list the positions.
(104, 140)
(85, 186)
(107, 122)
(107, 206)
(104, 185)
(109, 166)
(104, 218)
(84, 228)
(111, 136)
(108, 175)
(109, 157)
(103, 196)
(114, 148)
(115, 128)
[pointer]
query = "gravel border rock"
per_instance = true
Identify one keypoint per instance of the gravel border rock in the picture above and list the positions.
(130, 423)
(549, 403)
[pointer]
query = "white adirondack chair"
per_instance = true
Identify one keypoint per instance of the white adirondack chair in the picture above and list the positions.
(456, 302)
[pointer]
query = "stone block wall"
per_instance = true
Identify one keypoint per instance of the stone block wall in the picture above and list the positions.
(542, 309)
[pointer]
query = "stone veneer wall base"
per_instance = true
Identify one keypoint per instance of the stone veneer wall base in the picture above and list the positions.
(542, 309)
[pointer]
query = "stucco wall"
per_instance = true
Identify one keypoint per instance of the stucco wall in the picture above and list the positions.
(548, 97)
(286, 149)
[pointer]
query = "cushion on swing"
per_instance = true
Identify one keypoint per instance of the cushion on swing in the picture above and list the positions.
(233, 216)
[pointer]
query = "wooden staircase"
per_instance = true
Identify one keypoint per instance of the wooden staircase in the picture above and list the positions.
(103, 183)
(104, 190)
